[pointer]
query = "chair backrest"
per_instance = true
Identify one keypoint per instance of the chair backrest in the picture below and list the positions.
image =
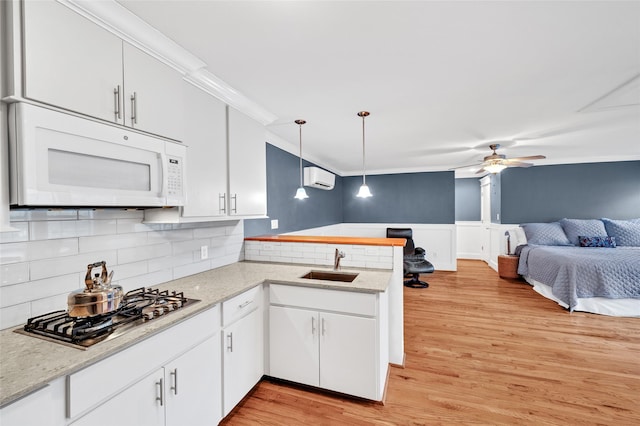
(406, 233)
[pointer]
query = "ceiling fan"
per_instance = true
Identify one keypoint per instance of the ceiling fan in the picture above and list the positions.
(495, 163)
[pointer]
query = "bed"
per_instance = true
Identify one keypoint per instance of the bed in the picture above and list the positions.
(585, 265)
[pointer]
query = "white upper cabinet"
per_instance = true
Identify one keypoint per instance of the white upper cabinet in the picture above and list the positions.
(247, 166)
(206, 139)
(152, 94)
(70, 62)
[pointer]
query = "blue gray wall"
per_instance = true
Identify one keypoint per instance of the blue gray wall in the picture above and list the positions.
(401, 198)
(468, 199)
(283, 178)
(397, 198)
(581, 191)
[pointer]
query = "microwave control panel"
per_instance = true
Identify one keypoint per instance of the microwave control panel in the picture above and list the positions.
(175, 178)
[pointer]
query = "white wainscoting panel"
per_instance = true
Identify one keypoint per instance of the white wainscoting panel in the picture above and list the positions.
(469, 239)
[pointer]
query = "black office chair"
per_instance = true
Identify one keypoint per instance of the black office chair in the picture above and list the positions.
(414, 261)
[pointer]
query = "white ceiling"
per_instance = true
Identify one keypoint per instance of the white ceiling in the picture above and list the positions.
(442, 79)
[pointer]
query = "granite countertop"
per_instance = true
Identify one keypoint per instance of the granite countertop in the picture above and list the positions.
(28, 363)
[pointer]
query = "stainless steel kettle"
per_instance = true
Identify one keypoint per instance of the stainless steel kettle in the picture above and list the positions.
(99, 296)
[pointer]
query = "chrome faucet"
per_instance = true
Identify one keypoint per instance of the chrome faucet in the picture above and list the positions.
(336, 260)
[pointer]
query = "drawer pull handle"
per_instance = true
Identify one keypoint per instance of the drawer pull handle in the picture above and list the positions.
(313, 326)
(245, 304)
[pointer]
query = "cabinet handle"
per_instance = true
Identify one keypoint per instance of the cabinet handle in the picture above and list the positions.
(222, 206)
(174, 388)
(313, 326)
(230, 342)
(234, 207)
(323, 330)
(134, 109)
(245, 304)
(116, 101)
(160, 398)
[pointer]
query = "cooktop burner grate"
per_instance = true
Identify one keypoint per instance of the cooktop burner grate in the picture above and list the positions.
(138, 306)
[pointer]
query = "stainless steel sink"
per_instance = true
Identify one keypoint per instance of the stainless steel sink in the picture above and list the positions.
(346, 277)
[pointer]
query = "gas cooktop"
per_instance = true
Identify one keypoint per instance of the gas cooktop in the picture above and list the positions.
(138, 307)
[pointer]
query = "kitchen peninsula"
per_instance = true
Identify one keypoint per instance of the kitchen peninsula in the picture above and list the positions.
(31, 366)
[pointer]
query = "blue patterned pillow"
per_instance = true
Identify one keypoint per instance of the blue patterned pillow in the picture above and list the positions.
(605, 241)
(576, 227)
(627, 232)
(545, 234)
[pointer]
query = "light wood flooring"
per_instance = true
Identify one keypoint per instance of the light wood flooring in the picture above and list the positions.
(482, 350)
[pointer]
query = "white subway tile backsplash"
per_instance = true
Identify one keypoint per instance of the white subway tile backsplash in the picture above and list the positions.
(32, 290)
(15, 315)
(134, 254)
(190, 269)
(126, 226)
(14, 273)
(19, 235)
(45, 305)
(97, 214)
(34, 250)
(47, 257)
(170, 236)
(40, 269)
(35, 215)
(127, 270)
(53, 229)
(147, 280)
(106, 242)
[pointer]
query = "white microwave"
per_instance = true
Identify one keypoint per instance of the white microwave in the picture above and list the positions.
(59, 159)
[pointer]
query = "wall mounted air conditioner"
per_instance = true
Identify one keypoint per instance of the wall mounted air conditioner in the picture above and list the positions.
(318, 178)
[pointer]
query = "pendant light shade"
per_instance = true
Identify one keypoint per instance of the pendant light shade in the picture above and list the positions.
(301, 194)
(364, 189)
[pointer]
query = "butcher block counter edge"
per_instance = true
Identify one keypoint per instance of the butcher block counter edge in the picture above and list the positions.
(28, 363)
(363, 241)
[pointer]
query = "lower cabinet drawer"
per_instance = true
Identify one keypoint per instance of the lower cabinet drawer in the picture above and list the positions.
(101, 381)
(324, 299)
(240, 305)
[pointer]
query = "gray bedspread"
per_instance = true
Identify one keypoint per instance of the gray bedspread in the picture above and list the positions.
(579, 272)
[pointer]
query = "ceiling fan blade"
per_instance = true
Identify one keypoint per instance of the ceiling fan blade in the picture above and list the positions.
(464, 167)
(482, 170)
(531, 157)
(511, 163)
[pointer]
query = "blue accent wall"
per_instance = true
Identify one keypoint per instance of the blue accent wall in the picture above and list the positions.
(468, 199)
(581, 191)
(283, 178)
(401, 198)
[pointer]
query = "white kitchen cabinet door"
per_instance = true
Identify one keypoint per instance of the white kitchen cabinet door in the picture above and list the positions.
(348, 354)
(43, 407)
(142, 404)
(247, 166)
(243, 362)
(152, 94)
(69, 61)
(206, 139)
(194, 387)
(294, 352)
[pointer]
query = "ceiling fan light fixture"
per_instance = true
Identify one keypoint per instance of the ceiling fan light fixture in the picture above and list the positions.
(495, 168)
(364, 191)
(301, 194)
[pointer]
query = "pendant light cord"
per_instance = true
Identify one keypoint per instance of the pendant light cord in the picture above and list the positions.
(364, 178)
(300, 126)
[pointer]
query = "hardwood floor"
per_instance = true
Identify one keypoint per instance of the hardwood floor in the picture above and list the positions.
(482, 350)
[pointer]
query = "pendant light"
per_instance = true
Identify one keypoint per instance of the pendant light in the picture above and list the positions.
(301, 194)
(364, 189)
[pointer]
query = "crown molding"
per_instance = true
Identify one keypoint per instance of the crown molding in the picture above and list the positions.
(120, 21)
